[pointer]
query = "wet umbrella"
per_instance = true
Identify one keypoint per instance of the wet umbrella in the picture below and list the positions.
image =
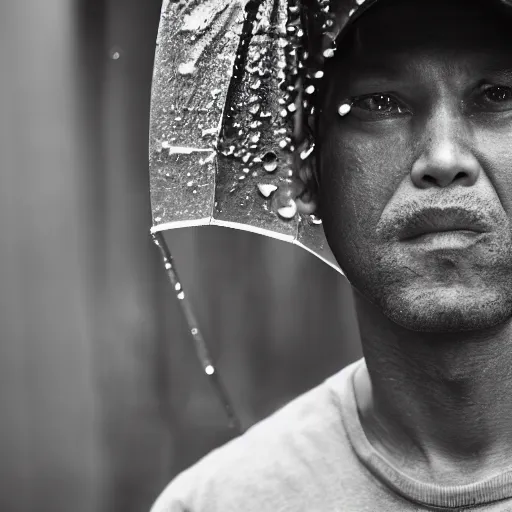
(233, 100)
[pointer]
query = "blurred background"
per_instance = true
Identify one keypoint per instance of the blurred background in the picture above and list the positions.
(102, 400)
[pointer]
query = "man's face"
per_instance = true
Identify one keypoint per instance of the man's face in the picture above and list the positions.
(416, 181)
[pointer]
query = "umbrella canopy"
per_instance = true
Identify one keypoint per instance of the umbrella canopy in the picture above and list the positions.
(233, 86)
(233, 94)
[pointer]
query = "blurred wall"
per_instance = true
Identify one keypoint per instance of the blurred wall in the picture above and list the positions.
(102, 399)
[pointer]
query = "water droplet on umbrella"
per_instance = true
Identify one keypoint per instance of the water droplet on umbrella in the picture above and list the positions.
(270, 161)
(253, 109)
(288, 211)
(187, 68)
(266, 189)
(208, 132)
(307, 152)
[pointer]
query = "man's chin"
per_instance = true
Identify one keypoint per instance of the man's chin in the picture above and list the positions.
(450, 309)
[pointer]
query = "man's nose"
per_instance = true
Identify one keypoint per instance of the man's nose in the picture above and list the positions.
(446, 156)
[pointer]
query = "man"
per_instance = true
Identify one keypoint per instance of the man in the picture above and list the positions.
(414, 162)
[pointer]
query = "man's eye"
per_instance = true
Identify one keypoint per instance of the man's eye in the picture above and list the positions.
(495, 98)
(378, 105)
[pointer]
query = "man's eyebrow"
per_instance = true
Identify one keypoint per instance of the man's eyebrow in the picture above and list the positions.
(500, 72)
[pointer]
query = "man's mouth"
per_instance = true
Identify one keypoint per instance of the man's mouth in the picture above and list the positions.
(446, 223)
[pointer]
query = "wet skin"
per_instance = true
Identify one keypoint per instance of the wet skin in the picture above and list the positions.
(416, 181)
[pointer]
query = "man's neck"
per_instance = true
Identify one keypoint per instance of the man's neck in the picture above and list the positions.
(438, 405)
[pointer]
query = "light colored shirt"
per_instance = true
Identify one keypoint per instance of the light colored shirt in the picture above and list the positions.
(313, 456)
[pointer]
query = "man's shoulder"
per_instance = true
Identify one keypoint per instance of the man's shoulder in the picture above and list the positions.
(278, 451)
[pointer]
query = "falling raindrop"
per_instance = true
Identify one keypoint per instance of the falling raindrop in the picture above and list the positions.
(344, 109)
(270, 161)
